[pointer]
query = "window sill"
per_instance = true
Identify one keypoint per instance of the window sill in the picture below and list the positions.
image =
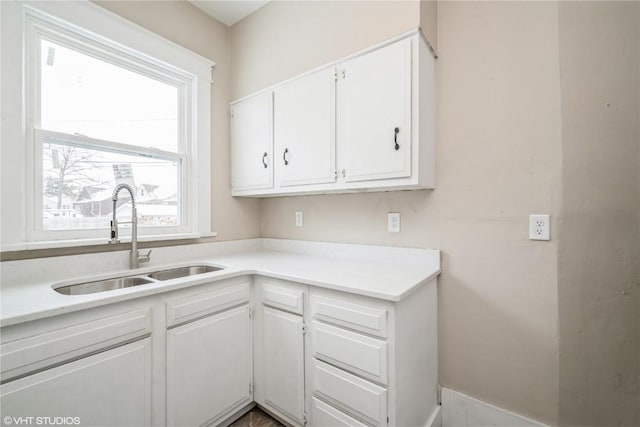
(52, 244)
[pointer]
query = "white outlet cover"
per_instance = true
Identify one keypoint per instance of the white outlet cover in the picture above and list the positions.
(299, 219)
(539, 227)
(393, 222)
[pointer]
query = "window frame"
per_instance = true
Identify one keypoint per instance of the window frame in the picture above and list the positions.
(144, 53)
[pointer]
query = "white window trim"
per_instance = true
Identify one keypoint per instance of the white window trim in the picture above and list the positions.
(17, 154)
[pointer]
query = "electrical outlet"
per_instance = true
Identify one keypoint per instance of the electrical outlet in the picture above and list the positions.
(393, 222)
(299, 219)
(539, 226)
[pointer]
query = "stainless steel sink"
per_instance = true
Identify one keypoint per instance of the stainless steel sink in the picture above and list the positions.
(104, 285)
(129, 281)
(175, 273)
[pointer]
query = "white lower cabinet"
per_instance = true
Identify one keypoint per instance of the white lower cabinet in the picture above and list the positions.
(112, 388)
(209, 368)
(119, 365)
(372, 362)
(203, 355)
(284, 363)
(279, 348)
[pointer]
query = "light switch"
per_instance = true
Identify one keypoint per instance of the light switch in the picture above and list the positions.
(393, 222)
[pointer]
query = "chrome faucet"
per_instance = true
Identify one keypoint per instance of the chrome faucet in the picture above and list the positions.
(134, 256)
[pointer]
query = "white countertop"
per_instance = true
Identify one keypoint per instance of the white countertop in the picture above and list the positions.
(379, 272)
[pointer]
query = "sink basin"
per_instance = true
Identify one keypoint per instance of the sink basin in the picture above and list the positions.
(129, 281)
(104, 285)
(175, 273)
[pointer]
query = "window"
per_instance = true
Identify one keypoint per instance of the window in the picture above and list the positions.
(79, 175)
(122, 106)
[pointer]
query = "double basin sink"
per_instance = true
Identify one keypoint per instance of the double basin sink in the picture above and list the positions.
(139, 279)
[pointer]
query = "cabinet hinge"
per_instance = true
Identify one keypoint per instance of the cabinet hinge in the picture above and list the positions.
(344, 73)
(250, 311)
(387, 420)
(250, 388)
(344, 173)
(231, 113)
(335, 174)
(305, 420)
(304, 328)
(335, 75)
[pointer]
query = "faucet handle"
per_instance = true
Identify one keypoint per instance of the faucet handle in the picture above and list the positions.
(145, 258)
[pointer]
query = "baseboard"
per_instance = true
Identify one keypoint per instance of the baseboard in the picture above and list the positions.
(435, 420)
(460, 410)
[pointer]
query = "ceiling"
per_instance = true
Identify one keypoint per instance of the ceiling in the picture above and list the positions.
(229, 11)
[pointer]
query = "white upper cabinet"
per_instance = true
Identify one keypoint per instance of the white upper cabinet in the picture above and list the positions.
(304, 130)
(366, 122)
(375, 114)
(252, 148)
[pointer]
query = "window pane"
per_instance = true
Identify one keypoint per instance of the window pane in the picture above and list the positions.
(78, 183)
(84, 95)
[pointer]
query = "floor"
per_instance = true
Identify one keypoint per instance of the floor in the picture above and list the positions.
(256, 418)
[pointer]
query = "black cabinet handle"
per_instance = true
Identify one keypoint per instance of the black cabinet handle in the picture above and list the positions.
(264, 158)
(395, 138)
(284, 156)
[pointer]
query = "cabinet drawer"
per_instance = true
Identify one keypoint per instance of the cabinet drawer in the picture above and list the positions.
(365, 399)
(38, 352)
(191, 307)
(370, 320)
(326, 415)
(284, 298)
(362, 355)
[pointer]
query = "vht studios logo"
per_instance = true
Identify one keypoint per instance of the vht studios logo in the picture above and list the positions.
(40, 421)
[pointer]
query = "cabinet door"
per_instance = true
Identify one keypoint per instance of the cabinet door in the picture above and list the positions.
(283, 354)
(112, 388)
(209, 368)
(304, 130)
(252, 143)
(375, 99)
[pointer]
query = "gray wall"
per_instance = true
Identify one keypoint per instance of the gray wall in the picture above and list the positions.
(599, 249)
